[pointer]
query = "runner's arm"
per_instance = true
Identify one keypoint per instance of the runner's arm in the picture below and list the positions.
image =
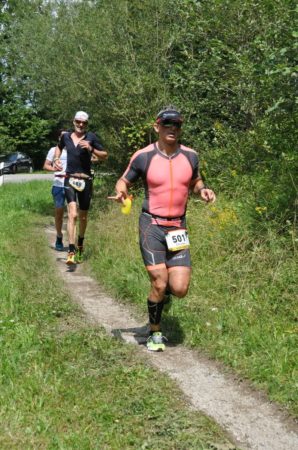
(121, 189)
(48, 165)
(131, 174)
(98, 150)
(56, 161)
(94, 146)
(205, 193)
(100, 154)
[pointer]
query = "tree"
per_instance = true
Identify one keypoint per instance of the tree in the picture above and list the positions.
(21, 129)
(229, 66)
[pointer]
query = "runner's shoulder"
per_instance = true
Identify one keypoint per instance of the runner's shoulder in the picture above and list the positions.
(51, 153)
(143, 151)
(91, 134)
(190, 154)
(187, 149)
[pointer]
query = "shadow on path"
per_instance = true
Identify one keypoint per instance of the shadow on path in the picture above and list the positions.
(246, 414)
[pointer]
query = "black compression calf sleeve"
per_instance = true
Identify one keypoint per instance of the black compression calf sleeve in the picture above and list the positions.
(80, 241)
(154, 310)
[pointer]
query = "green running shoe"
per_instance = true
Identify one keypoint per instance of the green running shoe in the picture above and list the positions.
(79, 255)
(155, 342)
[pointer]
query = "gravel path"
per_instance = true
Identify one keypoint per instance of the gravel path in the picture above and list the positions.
(24, 177)
(249, 418)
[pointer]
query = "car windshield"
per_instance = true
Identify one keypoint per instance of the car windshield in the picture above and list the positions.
(8, 158)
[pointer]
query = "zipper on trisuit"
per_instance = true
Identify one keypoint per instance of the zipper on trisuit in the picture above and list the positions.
(171, 187)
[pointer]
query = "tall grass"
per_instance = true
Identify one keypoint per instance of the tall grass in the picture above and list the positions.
(64, 384)
(242, 304)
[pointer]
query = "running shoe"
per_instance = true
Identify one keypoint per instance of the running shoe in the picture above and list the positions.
(155, 342)
(59, 245)
(79, 255)
(167, 303)
(71, 258)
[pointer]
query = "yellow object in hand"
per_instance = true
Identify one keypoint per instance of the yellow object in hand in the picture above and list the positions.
(126, 206)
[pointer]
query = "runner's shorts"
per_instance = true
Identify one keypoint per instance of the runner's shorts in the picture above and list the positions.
(58, 196)
(153, 244)
(84, 197)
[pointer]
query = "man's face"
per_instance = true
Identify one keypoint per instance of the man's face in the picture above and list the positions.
(169, 131)
(80, 125)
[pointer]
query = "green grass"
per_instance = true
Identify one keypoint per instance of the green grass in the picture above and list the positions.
(242, 305)
(65, 384)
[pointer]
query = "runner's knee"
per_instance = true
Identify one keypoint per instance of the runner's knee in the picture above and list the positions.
(180, 290)
(83, 217)
(72, 215)
(159, 285)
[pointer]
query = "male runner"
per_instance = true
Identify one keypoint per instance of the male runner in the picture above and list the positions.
(168, 170)
(80, 145)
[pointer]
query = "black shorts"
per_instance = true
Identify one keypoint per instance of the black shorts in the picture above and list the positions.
(84, 197)
(154, 247)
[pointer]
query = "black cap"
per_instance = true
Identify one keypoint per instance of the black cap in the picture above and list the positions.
(169, 114)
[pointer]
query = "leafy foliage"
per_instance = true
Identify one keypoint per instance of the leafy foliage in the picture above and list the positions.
(21, 127)
(229, 66)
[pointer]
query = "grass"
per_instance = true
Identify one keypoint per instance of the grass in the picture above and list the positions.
(65, 384)
(242, 305)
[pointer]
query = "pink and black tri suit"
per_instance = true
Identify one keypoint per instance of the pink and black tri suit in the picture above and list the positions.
(167, 180)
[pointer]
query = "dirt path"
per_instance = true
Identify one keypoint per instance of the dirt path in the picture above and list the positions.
(251, 421)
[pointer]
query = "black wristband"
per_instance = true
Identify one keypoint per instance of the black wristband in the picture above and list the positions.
(204, 187)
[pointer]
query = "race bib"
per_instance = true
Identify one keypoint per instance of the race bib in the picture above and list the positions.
(77, 184)
(177, 240)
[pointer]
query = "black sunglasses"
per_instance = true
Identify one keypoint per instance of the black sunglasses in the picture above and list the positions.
(84, 122)
(170, 123)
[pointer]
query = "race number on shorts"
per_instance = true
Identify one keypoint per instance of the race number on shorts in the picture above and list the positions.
(77, 183)
(177, 240)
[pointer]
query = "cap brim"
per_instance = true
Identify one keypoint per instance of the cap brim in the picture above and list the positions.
(172, 116)
(168, 119)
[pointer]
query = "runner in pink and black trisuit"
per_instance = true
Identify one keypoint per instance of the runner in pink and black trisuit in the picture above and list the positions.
(169, 170)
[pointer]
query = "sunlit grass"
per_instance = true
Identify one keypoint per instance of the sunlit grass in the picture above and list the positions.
(242, 304)
(63, 382)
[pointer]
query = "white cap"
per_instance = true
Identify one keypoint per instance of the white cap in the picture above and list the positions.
(81, 115)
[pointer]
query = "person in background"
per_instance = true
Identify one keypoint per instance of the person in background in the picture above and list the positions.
(80, 146)
(169, 170)
(57, 191)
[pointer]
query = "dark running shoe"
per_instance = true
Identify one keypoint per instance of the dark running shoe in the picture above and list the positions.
(59, 245)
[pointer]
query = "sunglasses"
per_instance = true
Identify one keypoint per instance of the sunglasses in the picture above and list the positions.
(83, 122)
(171, 123)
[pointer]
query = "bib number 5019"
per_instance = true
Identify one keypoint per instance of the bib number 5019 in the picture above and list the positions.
(177, 240)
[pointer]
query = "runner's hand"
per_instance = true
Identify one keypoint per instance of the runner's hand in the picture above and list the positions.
(207, 195)
(119, 197)
(86, 145)
(58, 165)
